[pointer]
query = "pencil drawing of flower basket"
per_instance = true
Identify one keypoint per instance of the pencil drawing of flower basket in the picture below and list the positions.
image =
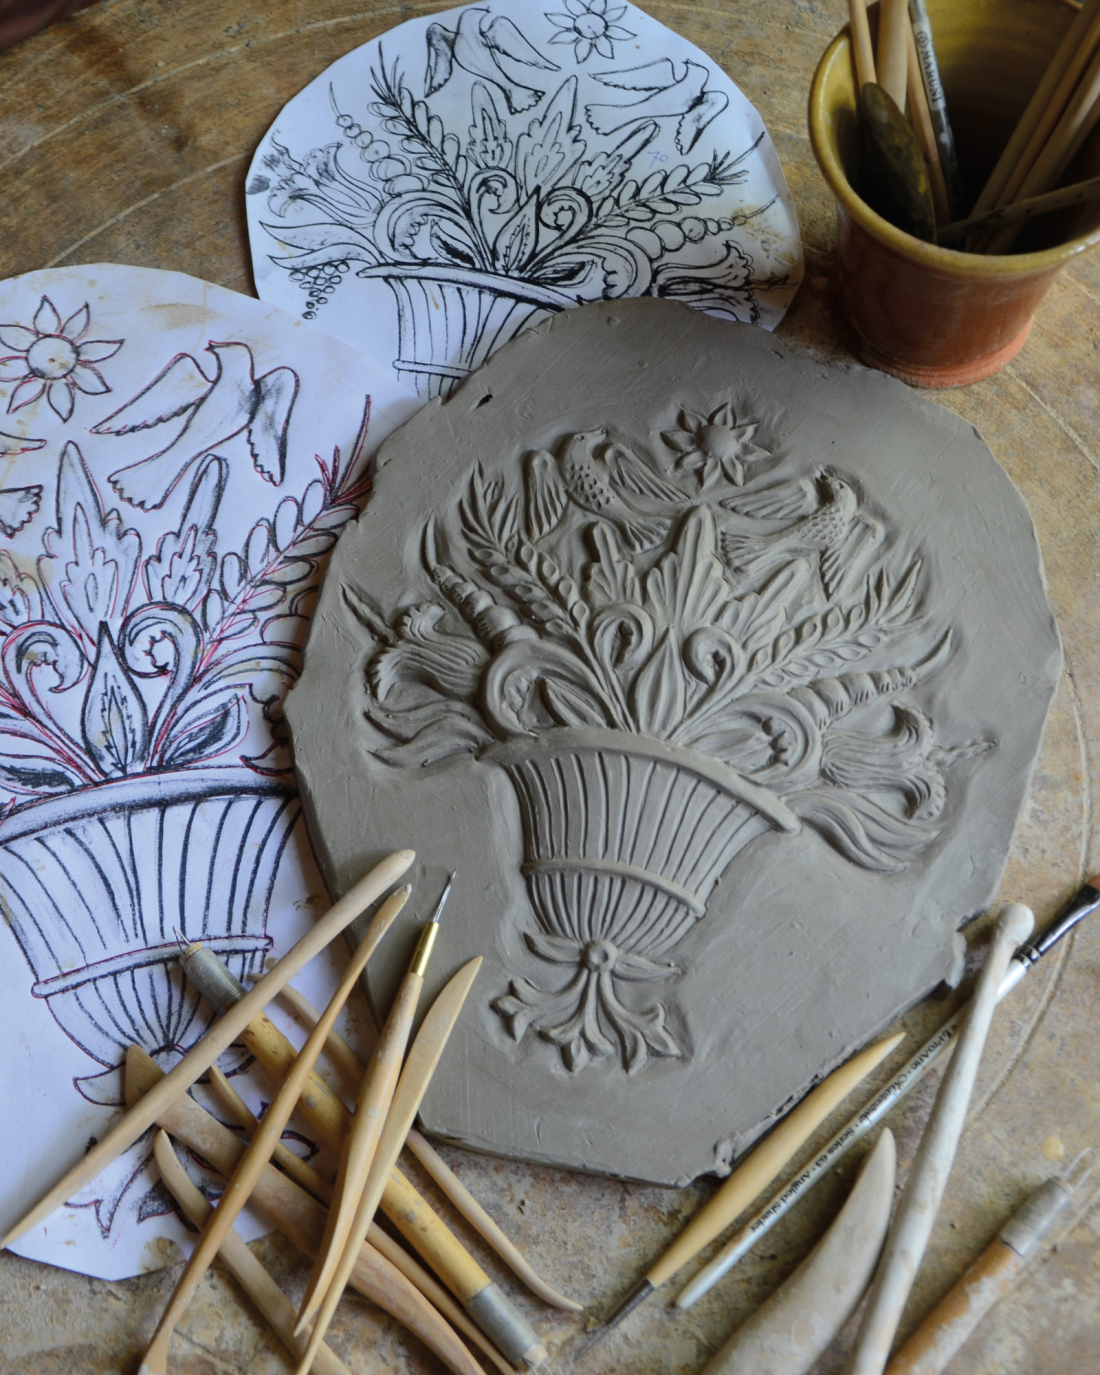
(484, 235)
(128, 680)
(663, 685)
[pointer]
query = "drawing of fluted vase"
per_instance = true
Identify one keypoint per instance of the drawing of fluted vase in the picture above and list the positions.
(625, 837)
(451, 319)
(98, 886)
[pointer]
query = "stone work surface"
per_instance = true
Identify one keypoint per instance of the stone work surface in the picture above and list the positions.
(135, 153)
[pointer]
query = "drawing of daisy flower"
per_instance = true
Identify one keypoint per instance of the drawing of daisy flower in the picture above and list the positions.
(54, 359)
(589, 26)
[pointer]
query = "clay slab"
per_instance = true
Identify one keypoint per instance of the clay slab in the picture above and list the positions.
(718, 674)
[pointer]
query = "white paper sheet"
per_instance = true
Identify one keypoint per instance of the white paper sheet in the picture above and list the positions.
(467, 174)
(175, 462)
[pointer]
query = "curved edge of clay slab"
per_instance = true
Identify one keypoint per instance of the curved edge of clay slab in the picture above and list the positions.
(791, 1330)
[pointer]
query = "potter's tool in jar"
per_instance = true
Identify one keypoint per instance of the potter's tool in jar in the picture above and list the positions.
(386, 1273)
(890, 60)
(372, 1105)
(520, 1344)
(755, 1172)
(794, 1326)
(220, 1036)
(405, 1208)
(937, 101)
(927, 1181)
(1079, 193)
(258, 1153)
(242, 1264)
(893, 177)
(1083, 903)
(445, 1178)
(933, 1345)
(862, 51)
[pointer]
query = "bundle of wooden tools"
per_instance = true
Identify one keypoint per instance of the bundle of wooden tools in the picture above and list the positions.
(909, 174)
(349, 1247)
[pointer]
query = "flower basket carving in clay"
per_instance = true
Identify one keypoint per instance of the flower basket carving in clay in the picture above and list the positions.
(668, 664)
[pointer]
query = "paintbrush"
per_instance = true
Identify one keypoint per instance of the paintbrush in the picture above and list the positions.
(755, 1173)
(220, 1036)
(445, 1178)
(1083, 903)
(924, 1189)
(385, 1273)
(242, 1264)
(372, 1105)
(244, 1177)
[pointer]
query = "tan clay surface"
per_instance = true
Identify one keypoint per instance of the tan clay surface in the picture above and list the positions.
(124, 135)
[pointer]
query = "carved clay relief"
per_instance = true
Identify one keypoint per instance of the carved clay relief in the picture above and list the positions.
(669, 654)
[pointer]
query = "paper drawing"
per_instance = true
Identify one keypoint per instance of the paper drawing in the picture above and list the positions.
(446, 186)
(162, 546)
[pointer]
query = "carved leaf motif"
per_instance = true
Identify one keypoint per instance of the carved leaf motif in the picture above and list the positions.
(687, 587)
(659, 693)
(611, 577)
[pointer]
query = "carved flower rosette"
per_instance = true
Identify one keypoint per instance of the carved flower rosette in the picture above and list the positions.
(669, 655)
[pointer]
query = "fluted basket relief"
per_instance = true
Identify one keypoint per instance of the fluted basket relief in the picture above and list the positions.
(99, 885)
(624, 841)
(667, 664)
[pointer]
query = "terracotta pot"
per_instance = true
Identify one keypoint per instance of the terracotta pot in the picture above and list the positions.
(937, 317)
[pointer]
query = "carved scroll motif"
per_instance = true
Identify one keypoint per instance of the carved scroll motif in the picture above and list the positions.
(667, 665)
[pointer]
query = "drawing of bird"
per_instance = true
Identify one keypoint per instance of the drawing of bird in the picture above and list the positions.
(489, 48)
(829, 509)
(602, 478)
(11, 445)
(218, 409)
(664, 96)
(18, 505)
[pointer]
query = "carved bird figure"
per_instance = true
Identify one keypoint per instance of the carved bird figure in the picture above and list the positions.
(829, 509)
(665, 95)
(487, 47)
(602, 478)
(217, 408)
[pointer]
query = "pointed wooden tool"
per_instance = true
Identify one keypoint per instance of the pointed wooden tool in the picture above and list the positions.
(220, 1036)
(375, 1097)
(246, 1269)
(430, 1042)
(248, 1171)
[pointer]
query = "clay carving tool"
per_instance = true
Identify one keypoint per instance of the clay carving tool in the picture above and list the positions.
(519, 1344)
(927, 1181)
(893, 177)
(375, 1097)
(863, 53)
(248, 1170)
(1043, 111)
(299, 1170)
(1082, 904)
(756, 1172)
(792, 1329)
(445, 1178)
(220, 1036)
(243, 1265)
(933, 1345)
(405, 1208)
(890, 60)
(1079, 193)
(925, 50)
(387, 1275)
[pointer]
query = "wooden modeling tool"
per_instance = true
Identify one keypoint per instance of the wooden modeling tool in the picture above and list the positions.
(1043, 111)
(242, 1264)
(921, 115)
(220, 1036)
(445, 1178)
(404, 1207)
(299, 1170)
(756, 1172)
(893, 178)
(1079, 193)
(372, 1105)
(519, 1343)
(933, 1345)
(385, 1274)
(794, 1327)
(863, 54)
(1082, 904)
(890, 60)
(248, 1170)
(925, 51)
(928, 1178)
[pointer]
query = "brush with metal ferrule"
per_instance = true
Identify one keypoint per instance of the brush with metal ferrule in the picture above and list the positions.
(373, 1104)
